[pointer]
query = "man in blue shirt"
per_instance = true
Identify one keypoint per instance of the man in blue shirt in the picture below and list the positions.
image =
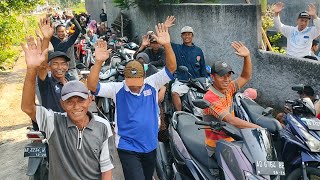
(137, 110)
(188, 55)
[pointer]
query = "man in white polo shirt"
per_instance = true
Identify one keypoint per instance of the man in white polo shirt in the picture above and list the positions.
(137, 110)
(299, 38)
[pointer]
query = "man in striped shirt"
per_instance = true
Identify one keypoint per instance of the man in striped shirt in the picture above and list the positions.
(220, 95)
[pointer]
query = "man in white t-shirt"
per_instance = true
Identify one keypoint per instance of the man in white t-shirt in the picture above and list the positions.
(299, 38)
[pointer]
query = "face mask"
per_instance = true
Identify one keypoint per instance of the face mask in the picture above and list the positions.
(146, 67)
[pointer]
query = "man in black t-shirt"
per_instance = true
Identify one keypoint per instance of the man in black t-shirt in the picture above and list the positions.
(103, 17)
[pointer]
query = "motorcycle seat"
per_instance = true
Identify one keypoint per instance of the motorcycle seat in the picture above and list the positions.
(193, 139)
(254, 111)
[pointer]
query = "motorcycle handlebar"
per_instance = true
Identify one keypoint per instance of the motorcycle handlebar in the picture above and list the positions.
(211, 124)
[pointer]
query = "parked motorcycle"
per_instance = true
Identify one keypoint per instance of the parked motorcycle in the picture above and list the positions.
(301, 140)
(36, 151)
(198, 87)
(251, 156)
(112, 72)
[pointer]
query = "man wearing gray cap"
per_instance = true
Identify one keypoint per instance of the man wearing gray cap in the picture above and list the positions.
(78, 140)
(188, 55)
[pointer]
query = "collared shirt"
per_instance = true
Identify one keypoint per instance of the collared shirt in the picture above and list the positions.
(191, 57)
(75, 154)
(298, 42)
(50, 93)
(136, 114)
(221, 105)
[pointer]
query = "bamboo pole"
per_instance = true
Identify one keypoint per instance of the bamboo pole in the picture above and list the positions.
(266, 40)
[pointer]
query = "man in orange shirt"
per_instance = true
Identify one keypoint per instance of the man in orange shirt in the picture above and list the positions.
(220, 95)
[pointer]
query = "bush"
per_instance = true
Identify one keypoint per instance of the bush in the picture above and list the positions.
(8, 57)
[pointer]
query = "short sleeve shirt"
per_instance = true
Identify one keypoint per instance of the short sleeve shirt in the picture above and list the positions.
(221, 105)
(74, 153)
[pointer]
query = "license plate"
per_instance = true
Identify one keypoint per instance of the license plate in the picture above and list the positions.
(312, 124)
(270, 168)
(35, 150)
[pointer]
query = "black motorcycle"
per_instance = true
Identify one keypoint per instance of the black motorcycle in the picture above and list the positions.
(37, 152)
(251, 156)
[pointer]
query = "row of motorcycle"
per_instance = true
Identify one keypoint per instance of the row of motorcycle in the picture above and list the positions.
(271, 152)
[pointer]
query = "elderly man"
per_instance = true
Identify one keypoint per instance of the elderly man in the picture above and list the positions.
(299, 38)
(137, 110)
(78, 140)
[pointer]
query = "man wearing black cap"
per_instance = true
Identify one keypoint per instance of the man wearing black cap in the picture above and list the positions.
(50, 84)
(220, 95)
(299, 38)
(78, 140)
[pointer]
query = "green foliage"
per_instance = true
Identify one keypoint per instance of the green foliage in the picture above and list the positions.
(274, 40)
(267, 18)
(18, 6)
(79, 8)
(8, 58)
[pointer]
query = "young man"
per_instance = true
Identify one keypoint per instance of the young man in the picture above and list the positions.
(220, 95)
(62, 42)
(299, 38)
(103, 16)
(153, 49)
(78, 140)
(188, 55)
(137, 110)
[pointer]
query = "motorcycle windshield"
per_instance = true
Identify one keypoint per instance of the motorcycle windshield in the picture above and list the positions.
(258, 145)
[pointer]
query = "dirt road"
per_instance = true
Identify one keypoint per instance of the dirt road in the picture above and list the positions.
(13, 123)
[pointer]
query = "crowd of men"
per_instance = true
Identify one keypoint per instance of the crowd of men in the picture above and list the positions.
(78, 140)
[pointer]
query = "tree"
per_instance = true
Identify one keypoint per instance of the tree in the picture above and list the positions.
(18, 6)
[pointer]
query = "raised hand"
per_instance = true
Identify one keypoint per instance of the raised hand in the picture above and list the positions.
(163, 36)
(101, 51)
(46, 28)
(169, 21)
(33, 54)
(312, 10)
(278, 7)
(241, 49)
(145, 40)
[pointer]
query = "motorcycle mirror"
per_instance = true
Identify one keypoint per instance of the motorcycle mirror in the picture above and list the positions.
(201, 103)
(183, 68)
(299, 87)
(267, 111)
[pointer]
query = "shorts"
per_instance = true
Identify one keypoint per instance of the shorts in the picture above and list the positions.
(179, 87)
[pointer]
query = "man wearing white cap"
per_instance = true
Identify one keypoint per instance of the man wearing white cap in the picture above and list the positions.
(188, 55)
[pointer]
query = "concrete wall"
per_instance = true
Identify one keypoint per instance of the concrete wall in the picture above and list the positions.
(275, 74)
(216, 26)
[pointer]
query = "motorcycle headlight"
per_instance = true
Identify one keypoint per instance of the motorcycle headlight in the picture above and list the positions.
(312, 143)
(250, 176)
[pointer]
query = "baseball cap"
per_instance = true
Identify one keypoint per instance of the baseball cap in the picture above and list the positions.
(144, 56)
(221, 68)
(152, 39)
(304, 15)
(307, 90)
(134, 74)
(187, 29)
(74, 88)
(55, 54)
